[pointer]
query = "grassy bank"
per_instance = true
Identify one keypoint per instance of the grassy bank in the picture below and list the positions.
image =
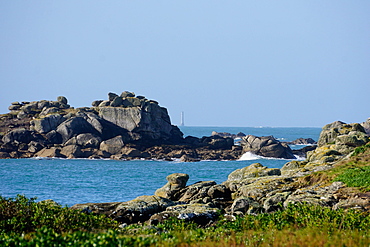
(27, 223)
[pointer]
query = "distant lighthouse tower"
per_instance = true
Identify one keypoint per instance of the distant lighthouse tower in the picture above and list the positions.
(182, 123)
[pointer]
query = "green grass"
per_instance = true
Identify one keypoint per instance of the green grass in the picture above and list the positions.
(23, 222)
(354, 172)
(356, 177)
(360, 150)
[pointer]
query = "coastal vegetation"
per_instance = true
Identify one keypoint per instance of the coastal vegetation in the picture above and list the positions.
(25, 222)
(354, 171)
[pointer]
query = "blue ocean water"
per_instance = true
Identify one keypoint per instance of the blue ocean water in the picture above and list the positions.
(80, 180)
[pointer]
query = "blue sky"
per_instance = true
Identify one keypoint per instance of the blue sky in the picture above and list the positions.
(234, 63)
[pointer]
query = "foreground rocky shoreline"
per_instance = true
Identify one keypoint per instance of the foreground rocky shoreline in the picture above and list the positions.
(255, 189)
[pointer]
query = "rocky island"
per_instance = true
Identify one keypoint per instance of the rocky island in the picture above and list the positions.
(122, 127)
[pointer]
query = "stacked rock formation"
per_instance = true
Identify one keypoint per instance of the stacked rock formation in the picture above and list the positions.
(124, 126)
(54, 129)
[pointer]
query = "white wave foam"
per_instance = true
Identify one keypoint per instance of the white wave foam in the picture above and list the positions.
(299, 158)
(250, 156)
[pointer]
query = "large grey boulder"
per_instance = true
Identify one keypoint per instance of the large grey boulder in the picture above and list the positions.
(195, 191)
(176, 182)
(140, 209)
(21, 135)
(113, 145)
(149, 124)
(75, 126)
(266, 146)
(246, 205)
(62, 100)
(47, 123)
(71, 151)
(88, 140)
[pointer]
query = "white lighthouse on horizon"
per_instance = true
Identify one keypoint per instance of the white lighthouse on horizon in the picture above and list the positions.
(182, 123)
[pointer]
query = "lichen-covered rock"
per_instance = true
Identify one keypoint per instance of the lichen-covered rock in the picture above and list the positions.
(336, 141)
(176, 182)
(246, 205)
(275, 202)
(140, 209)
(292, 167)
(258, 188)
(252, 171)
(219, 191)
(323, 196)
(359, 201)
(195, 191)
(112, 96)
(330, 132)
(106, 208)
(201, 214)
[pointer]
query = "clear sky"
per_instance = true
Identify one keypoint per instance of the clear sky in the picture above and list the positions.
(224, 63)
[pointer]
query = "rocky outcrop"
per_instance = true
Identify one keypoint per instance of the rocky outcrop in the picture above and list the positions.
(106, 128)
(337, 140)
(366, 126)
(266, 146)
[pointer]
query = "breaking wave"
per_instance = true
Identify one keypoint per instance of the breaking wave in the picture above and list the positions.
(250, 156)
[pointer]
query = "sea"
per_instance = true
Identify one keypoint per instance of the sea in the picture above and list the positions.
(72, 181)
